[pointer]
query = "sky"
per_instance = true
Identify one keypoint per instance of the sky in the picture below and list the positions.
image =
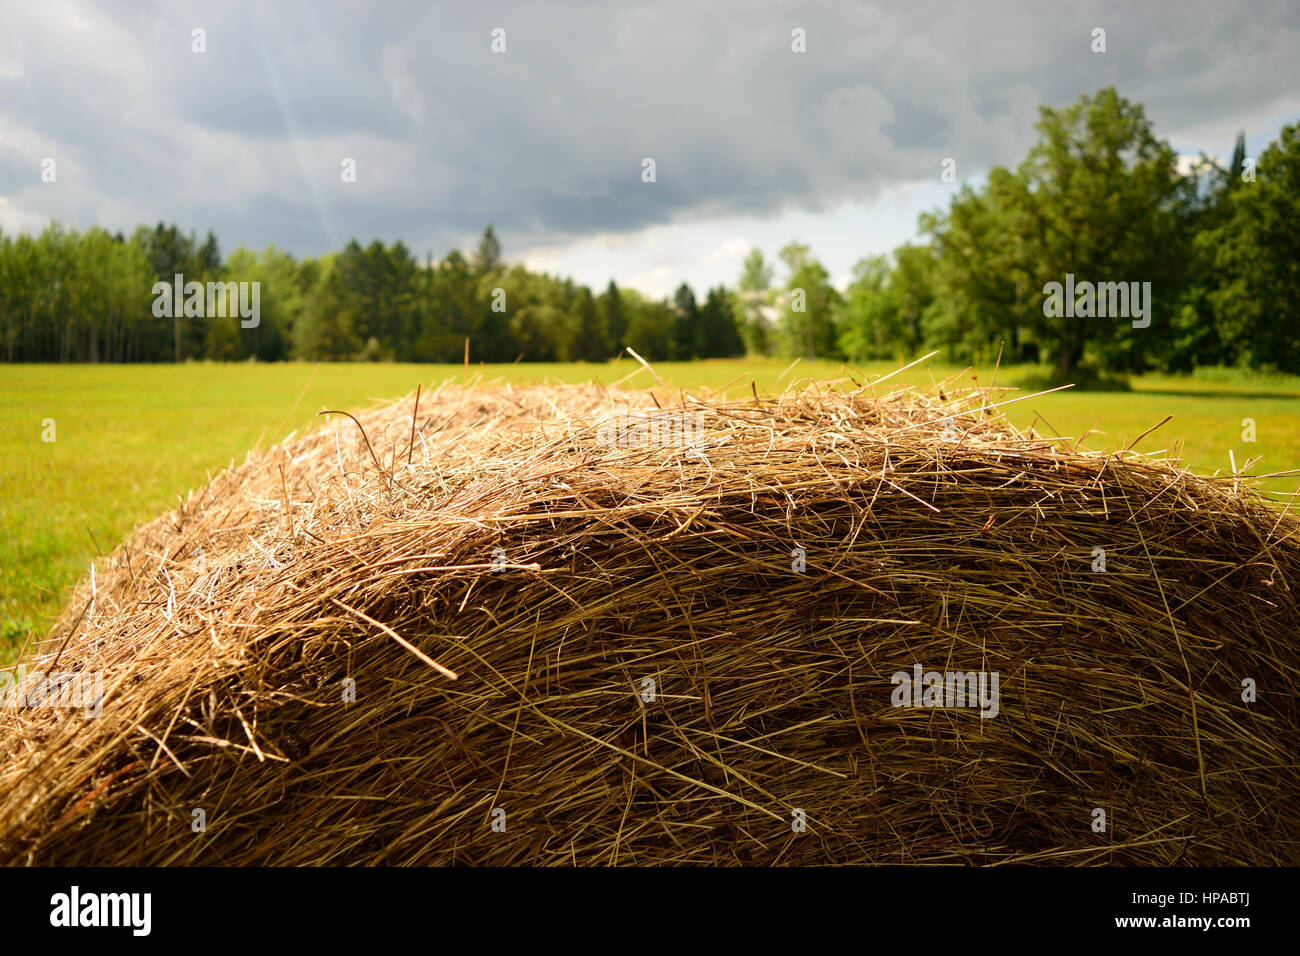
(839, 146)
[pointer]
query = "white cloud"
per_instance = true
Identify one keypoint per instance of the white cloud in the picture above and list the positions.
(731, 250)
(657, 283)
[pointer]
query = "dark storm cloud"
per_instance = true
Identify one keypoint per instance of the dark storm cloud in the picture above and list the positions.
(547, 139)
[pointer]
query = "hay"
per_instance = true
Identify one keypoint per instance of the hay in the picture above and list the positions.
(934, 535)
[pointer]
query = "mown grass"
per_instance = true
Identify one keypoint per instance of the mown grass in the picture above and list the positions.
(131, 439)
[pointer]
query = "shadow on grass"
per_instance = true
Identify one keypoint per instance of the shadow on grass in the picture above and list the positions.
(1084, 378)
(1225, 393)
(1088, 378)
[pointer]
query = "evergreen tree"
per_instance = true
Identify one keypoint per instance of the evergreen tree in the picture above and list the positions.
(487, 257)
(685, 329)
(615, 318)
(592, 342)
(718, 335)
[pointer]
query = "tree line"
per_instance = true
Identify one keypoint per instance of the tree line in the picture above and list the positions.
(89, 297)
(1098, 199)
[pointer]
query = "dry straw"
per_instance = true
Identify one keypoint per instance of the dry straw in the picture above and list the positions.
(569, 651)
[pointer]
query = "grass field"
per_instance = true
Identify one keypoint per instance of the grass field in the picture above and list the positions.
(131, 439)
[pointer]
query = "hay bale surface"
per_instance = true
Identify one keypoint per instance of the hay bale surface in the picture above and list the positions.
(498, 585)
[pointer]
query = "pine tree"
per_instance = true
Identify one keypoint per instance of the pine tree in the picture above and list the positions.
(488, 255)
(1234, 170)
(611, 306)
(685, 328)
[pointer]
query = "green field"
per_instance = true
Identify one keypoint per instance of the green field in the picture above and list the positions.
(131, 439)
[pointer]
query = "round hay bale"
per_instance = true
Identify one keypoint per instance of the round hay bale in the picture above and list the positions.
(556, 626)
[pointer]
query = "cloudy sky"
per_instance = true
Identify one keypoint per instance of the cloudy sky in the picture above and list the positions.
(754, 144)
